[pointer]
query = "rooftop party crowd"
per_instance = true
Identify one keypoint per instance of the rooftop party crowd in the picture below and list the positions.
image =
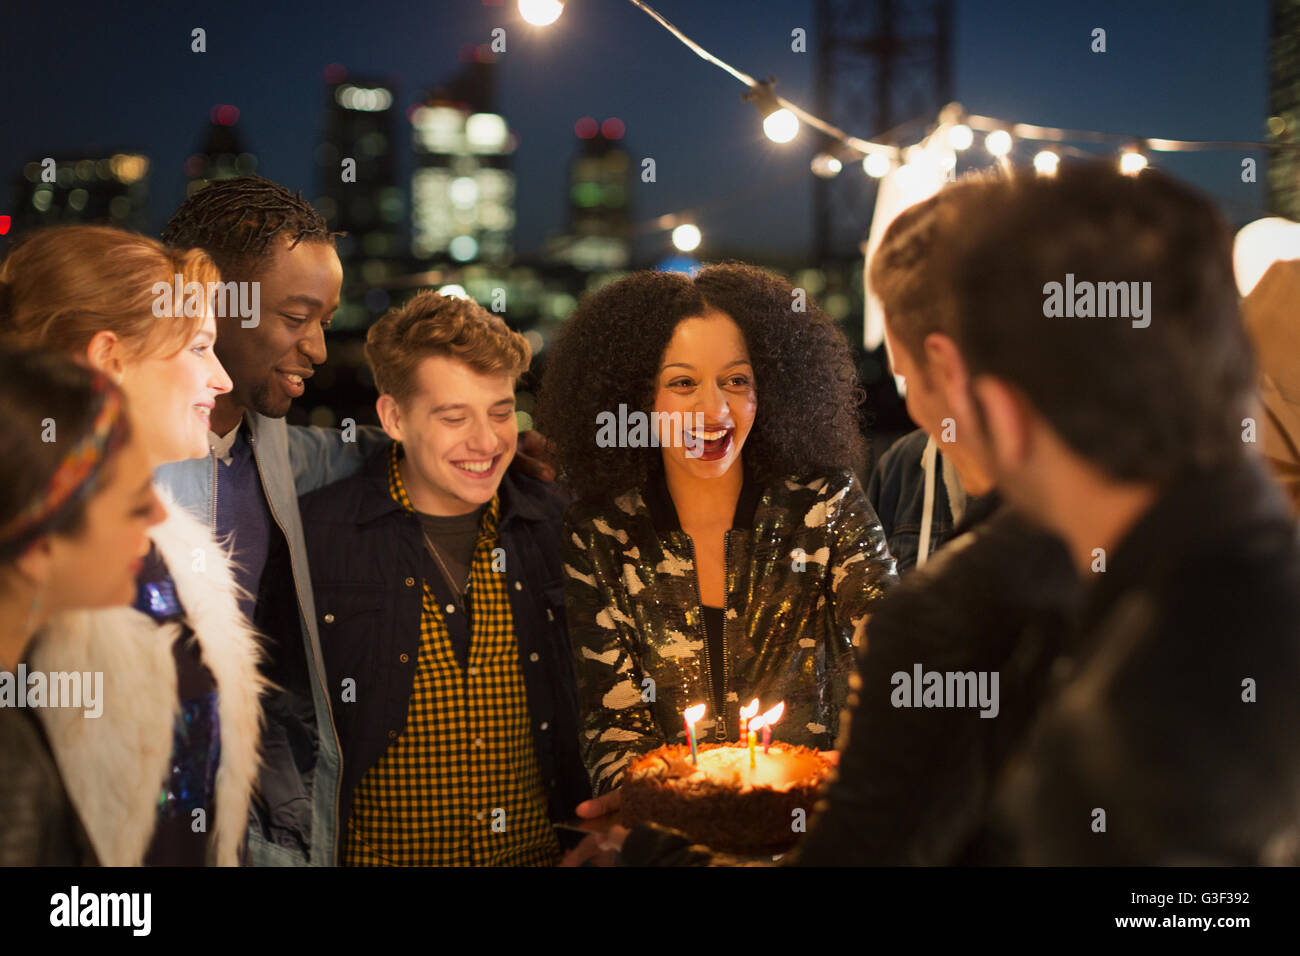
(441, 642)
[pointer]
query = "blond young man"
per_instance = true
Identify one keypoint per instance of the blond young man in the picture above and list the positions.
(438, 587)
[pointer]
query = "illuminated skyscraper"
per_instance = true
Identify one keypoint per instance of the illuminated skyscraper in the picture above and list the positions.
(357, 188)
(112, 190)
(599, 232)
(462, 187)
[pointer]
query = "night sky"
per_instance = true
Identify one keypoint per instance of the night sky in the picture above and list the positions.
(81, 75)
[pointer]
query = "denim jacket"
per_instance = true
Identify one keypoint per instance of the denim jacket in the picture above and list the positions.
(295, 822)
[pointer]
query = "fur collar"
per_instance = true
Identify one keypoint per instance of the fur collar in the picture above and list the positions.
(114, 766)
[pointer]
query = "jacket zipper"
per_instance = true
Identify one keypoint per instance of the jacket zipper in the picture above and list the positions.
(726, 593)
(213, 513)
(720, 728)
(338, 747)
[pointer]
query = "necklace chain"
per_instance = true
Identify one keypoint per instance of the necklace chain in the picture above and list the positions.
(446, 573)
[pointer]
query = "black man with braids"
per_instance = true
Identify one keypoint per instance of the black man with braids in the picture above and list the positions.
(259, 232)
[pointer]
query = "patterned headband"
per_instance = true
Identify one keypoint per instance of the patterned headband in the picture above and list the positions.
(76, 476)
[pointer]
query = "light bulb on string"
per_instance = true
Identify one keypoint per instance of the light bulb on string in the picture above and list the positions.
(1046, 162)
(779, 124)
(960, 137)
(686, 237)
(1132, 162)
(541, 13)
(876, 165)
(826, 166)
(998, 143)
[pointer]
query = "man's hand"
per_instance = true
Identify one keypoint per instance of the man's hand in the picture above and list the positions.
(531, 456)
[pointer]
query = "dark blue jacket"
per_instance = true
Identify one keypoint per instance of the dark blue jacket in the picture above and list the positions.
(364, 549)
(896, 489)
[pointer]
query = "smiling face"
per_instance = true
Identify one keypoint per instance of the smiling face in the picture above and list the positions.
(459, 433)
(705, 377)
(299, 292)
(171, 399)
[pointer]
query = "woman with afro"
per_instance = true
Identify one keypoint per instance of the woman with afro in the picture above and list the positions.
(720, 547)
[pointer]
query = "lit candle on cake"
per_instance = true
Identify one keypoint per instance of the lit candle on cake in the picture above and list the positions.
(768, 719)
(754, 725)
(692, 714)
(745, 714)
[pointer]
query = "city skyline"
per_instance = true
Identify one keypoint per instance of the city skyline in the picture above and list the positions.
(707, 144)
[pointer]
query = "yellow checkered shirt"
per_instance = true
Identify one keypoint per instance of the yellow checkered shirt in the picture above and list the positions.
(461, 785)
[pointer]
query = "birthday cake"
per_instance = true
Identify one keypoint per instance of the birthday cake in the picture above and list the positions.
(721, 801)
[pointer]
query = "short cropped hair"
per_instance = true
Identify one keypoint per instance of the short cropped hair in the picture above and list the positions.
(1149, 402)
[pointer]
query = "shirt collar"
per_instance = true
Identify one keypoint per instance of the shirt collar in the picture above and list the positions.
(397, 491)
(222, 445)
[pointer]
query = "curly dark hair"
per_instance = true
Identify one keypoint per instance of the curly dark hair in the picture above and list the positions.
(608, 354)
(235, 221)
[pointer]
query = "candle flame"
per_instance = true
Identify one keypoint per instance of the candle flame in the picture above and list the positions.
(747, 712)
(693, 714)
(772, 716)
(756, 724)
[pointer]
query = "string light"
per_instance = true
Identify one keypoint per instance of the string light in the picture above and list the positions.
(541, 13)
(960, 136)
(1132, 162)
(686, 237)
(1046, 162)
(998, 143)
(826, 166)
(955, 131)
(876, 165)
(779, 123)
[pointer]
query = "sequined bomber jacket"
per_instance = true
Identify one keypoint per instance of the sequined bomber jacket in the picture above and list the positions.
(806, 560)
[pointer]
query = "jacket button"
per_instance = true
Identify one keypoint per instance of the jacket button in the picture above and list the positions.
(404, 658)
(545, 725)
(473, 672)
(329, 618)
(392, 735)
(410, 582)
(450, 609)
(518, 586)
(550, 615)
(534, 657)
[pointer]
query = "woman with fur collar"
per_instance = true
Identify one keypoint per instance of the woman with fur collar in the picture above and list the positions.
(164, 776)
